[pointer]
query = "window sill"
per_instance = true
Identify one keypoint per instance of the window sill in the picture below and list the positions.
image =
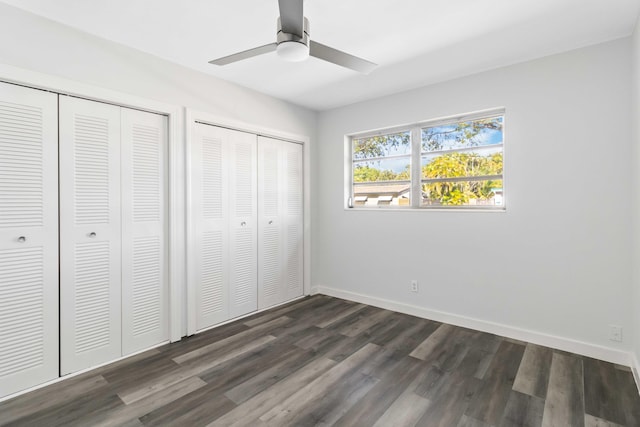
(401, 209)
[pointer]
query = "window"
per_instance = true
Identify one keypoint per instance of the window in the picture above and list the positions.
(381, 169)
(452, 163)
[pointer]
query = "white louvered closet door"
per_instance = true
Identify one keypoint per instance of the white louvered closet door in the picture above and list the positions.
(294, 220)
(280, 225)
(28, 238)
(144, 250)
(243, 215)
(209, 260)
(90, 234)
(270, 230)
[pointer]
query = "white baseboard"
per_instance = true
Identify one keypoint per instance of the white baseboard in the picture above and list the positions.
(565, 344)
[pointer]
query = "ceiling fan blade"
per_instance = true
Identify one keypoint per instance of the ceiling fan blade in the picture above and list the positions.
(338, 57)
(292, 16)
(245, 54)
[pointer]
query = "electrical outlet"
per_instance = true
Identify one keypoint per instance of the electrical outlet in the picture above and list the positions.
(414, 286)
(615, 333)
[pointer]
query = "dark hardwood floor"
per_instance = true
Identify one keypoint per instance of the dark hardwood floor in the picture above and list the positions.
(326, 361)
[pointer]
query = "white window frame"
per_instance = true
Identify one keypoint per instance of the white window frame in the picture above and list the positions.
(416, 164)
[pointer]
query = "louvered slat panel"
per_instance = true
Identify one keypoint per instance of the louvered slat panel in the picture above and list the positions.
(21, 167)
(293, 259)
(212, 178)
(244, 179)
(91, 156)
(21, 316)
(147, 189)
(211, 280)
(269, 181)
(294, 182)
(147, 285)
(92, 304)
(244, 267)
(270, 257)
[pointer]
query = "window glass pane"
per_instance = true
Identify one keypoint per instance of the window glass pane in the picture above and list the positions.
(384, 182)
(394, 169)
(473, 133)
(389, 193)
(480, 162)
(382, 170)
(382, 146)
(462, 193)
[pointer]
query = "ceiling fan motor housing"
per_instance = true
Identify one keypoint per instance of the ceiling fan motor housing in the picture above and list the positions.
(293, 47)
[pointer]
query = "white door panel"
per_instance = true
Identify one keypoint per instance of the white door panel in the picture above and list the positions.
(210, 257)
(270, 231)
(28, 238)
(280, 224)
(294, 220)
(243, 223)
(144, 251)
(90, 233)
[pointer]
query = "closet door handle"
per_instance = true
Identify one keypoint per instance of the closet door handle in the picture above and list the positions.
(92, 234)
(22, 239)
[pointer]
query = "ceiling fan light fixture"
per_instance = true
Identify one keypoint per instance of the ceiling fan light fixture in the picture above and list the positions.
(293, 51)
(294, 44)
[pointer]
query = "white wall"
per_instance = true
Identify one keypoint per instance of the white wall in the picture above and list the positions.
(557, 262)
(636, 192)
(39, 45)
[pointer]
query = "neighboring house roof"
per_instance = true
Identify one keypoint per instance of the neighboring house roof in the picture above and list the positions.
(383, 189)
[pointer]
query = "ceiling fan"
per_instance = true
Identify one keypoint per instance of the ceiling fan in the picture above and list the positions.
(294, 44)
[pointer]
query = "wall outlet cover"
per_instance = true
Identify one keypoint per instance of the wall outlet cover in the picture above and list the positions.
(615, 333)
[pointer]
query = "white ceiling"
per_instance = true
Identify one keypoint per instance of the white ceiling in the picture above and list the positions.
(415, 42)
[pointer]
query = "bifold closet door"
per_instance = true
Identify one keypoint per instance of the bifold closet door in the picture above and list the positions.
(223, 261)
(210, 256)
(90, 234)
(243, 224)
(144, 252)
(280, 225)
(28, 238)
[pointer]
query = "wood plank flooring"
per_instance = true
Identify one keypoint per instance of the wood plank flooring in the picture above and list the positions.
(323, 361)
